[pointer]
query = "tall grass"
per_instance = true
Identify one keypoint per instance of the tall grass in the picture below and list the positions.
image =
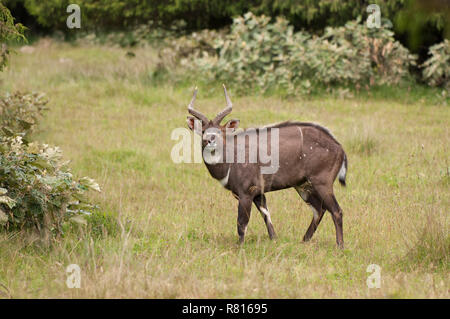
(169, 231)
(431, 250)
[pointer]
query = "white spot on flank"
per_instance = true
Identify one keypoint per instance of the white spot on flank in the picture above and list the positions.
(310, 147)
(224, 181)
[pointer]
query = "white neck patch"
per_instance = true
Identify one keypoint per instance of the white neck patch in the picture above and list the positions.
(224, 181)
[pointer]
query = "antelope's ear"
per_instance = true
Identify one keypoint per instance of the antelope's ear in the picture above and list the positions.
(195, 125)
(232, 124)
(191, 122)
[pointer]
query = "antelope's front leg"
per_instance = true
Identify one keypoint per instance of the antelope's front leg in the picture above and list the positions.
(244, 210)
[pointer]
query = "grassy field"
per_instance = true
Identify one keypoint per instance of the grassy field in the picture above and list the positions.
(176, 231)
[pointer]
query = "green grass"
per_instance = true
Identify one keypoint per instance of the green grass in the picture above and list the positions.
(169, 230)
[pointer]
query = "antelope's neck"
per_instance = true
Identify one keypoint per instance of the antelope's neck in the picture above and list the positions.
(220, 171)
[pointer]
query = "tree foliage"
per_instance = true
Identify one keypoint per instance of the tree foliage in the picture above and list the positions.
(8, 32)
(412, 19)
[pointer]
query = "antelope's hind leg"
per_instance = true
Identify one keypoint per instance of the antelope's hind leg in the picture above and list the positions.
(329, 200)
(315, 202)
(244, 210)
(261, 204)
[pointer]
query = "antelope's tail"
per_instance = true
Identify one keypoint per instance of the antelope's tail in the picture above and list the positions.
(343, 171)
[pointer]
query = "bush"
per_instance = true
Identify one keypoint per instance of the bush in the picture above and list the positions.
(36, 186)
(19, 113)
(185, 48)
(258, 53)
(371, 55)
(252, 54)
(437, 68)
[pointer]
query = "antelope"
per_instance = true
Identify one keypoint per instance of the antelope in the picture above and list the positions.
(310, 159)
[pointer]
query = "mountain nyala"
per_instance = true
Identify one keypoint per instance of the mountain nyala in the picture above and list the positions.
(306, 156)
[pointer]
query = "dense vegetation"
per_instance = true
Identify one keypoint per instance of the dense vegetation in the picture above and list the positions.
(37, 187)
(260, 54)
(428, 26)
(37, 190)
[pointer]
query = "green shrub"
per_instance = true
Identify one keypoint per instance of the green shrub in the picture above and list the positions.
(255, 54)
(368, 55)
(265, 55)
(437, 68)
(37, 188)
(186, 48)
(19, 113)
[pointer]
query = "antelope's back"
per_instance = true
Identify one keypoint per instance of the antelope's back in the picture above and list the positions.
(306, 149)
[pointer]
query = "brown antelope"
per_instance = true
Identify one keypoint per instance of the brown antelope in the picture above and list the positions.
(309, 159)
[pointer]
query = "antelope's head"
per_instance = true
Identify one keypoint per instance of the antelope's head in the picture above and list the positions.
(211, 130)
